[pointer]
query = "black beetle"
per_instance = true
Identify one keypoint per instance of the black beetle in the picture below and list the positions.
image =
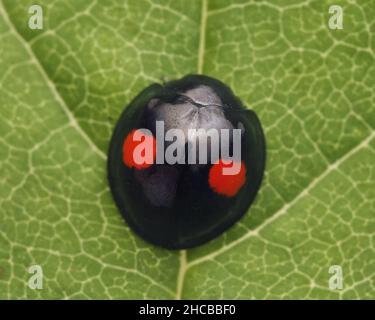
(168, 199)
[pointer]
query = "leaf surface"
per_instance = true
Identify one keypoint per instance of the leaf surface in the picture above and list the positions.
(63, 87)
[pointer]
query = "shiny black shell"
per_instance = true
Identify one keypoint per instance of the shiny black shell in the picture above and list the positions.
(181, 210)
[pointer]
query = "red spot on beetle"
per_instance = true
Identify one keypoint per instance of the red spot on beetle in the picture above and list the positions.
(130, 145)
(226, 185)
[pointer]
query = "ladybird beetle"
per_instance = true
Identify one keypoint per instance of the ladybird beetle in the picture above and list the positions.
(186, 160)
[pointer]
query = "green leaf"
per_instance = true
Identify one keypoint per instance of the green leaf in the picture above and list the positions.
(63, 87)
